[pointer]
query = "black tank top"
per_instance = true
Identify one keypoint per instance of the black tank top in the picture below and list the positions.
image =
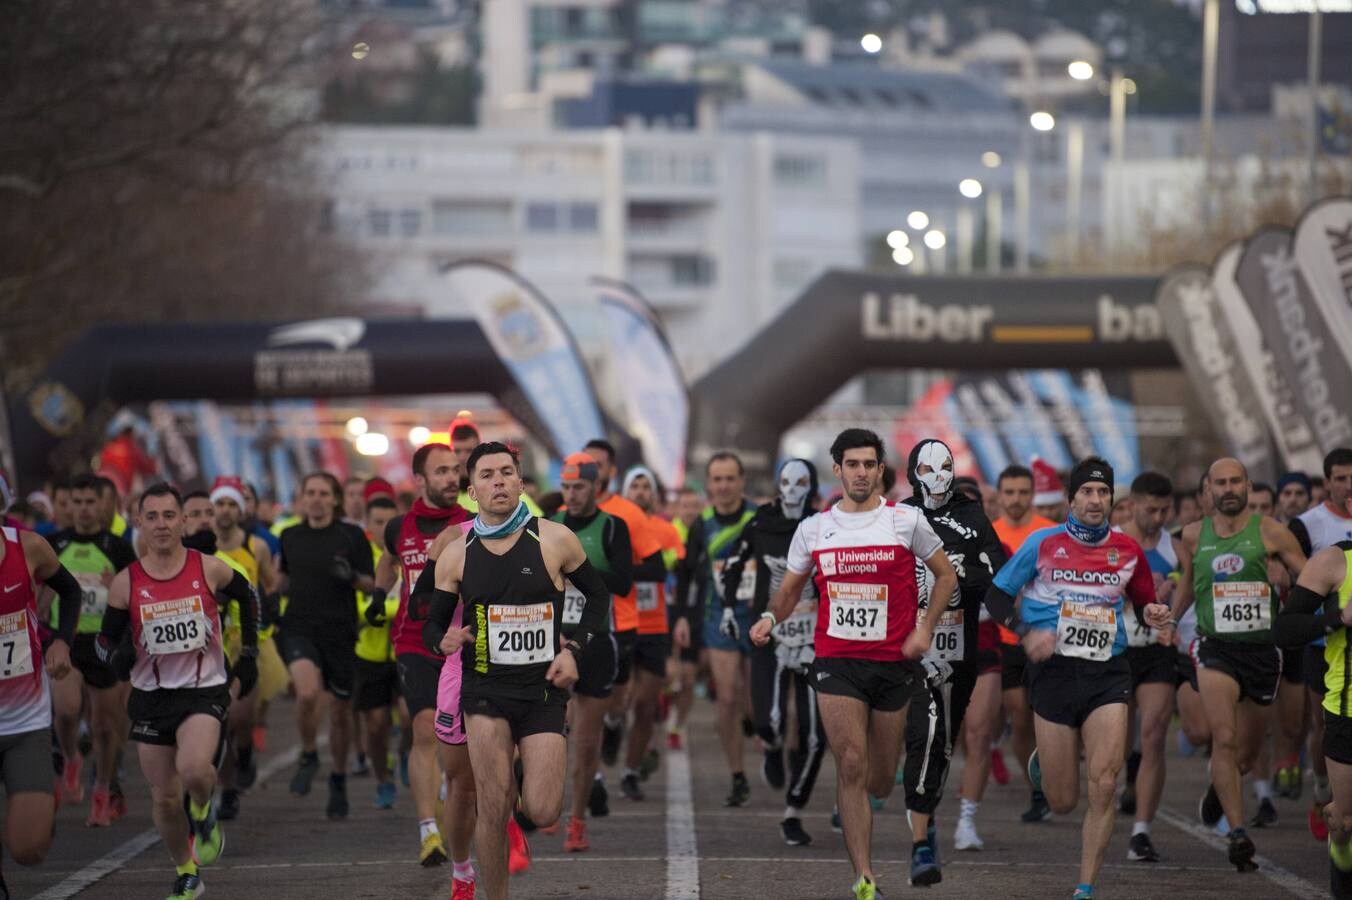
(515, 611)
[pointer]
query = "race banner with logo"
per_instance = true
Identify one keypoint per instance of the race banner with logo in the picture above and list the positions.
(536, 347)
(1323, 249)
(1299, 334)
(1289, 431)
(656, 402)
(1209, 353)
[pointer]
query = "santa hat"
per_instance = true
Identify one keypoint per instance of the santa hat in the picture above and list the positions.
(1047, 487)
(228, 487)
(377, 487)
(463, 419)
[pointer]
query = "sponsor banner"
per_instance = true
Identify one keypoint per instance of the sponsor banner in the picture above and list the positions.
(1208, 351)
(656, 401)
(1289, 431)
(1299, 333)
(538, 350)
(1323, 249)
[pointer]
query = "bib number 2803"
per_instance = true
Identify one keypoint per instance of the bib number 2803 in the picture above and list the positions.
(173, 626)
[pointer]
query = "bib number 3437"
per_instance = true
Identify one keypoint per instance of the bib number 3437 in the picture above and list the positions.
(1086, 632)
(858, 611)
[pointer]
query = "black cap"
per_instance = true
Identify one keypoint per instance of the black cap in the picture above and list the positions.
(1092, 468)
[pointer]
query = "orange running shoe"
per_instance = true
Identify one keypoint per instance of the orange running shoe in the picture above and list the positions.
(518, 849)
(462, 890)
(100, 810)
(72, 790)
(576, 841)
(260, 738)
(674, 740)
(117, 803)
(999, 771)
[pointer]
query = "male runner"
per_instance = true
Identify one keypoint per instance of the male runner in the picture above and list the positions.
(93, 555)
(779, 669)
(606, 541)
(324, 562)
(376, 686)
(510, 572)
(26, 673)
(1325, 585)
(436, 474)
(868, 638)
(712, 539)
(1153, 664)
(354, 499)
(1293, 496)
(1225, 569)
(954, 658)
(171, 600)
(1073, 580)
(683, 669)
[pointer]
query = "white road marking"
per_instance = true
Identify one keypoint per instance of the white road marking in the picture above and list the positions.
(1283, 878)
(682, 854)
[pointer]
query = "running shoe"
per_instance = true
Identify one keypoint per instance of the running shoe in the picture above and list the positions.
(629, 787)
(1082, 894)
(208, 839)
(1039, 810)
(1141, 850)
(462, 890)
(792, 831)
(965, 836)
(518, 849)
(385, 792)
(433, 850)
(999, 771)
(260, 738)
(337, 808)
(1209, 807)
(866, 890)
(1242, 851)
(674, 741)
(772, 768)
(1319, 826)
(117, 801)
(835, 820)
(1035, 772)
(924, 870)
(576, 839)
(1127, 804)
(306, 770)
(611, 738)
(932, 835)
(361, 769)
(1265, 816)
(186, 887)
(876, 803)
(229, 806)
(598, 801)
(649, 765)
(72, 790)
(100, 810)
(740, 794)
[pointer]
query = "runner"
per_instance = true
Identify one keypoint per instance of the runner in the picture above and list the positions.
(712, 539)
(779, 669)
(1325, 585)
(323, 563)
(376, 686)
(653, 648)
(1293, 496)
(93, 555)
(606, 541)
(1073, 581)
(436, 475)
(868, 638)
(1153, 663)
(683, 668)
(514, 691)
(171, 601)
(955, 658)
(1225, 568)
(26, 674)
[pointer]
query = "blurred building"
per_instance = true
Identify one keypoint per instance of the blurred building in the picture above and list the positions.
(1258, 52)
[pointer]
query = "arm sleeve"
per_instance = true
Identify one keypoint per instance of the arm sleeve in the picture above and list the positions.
(1298, 622)
(596, 609)
(421, 594)
(392, 533)
(1001, 607)
(242, 592)
(620, 579)
(115, 623)
(1302, 537)
(439, 615)
(68, 610)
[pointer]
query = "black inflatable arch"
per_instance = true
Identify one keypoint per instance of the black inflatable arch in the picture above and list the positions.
(846, 323)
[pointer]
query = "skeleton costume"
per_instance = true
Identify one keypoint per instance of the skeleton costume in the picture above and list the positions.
(779, 669)
(935, 716)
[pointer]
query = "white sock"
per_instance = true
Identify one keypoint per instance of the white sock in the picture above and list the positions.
(1262, 790)
(613, 722)
(1140, 828)
(628, 771)
(426, 827)
(967, 809)
(791, 813)
(464, 871)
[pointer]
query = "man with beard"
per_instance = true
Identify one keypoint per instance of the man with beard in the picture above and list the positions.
(954, 659)
(779, 668)
(1225, 570)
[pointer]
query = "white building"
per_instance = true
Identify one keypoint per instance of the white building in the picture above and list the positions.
(717, 231)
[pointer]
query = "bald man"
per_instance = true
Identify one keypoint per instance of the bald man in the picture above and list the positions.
(1225, 571)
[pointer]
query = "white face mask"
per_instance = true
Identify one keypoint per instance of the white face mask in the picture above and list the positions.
(936, 483)
(794, 483)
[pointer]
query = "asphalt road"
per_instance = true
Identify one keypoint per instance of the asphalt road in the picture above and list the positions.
(679, 842)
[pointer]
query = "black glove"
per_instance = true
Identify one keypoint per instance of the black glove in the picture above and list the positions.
(375, 610)
(245, 671)
(341, 569)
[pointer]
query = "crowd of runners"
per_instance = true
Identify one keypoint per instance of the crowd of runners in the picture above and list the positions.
(520, 662)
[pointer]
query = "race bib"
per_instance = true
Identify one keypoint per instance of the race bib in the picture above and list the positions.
(1086, 632)
(573, 602)
(521, 635)
(16, 650)
(173, 626)
(1138, 634)
(93, 593)
(858, 611)
(1241, 606)
(647, 595)
(796, 631)
(949, 642)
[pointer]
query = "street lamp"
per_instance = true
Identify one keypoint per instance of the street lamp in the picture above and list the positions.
(1080, 70)
(897, 239)
(419, 435)
(357, 426)
(918, 220)
(1042, 120)
(969, 188)
(935, 239)
(903, 256)
(373, 443)
(990, 159)
(871, 43)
